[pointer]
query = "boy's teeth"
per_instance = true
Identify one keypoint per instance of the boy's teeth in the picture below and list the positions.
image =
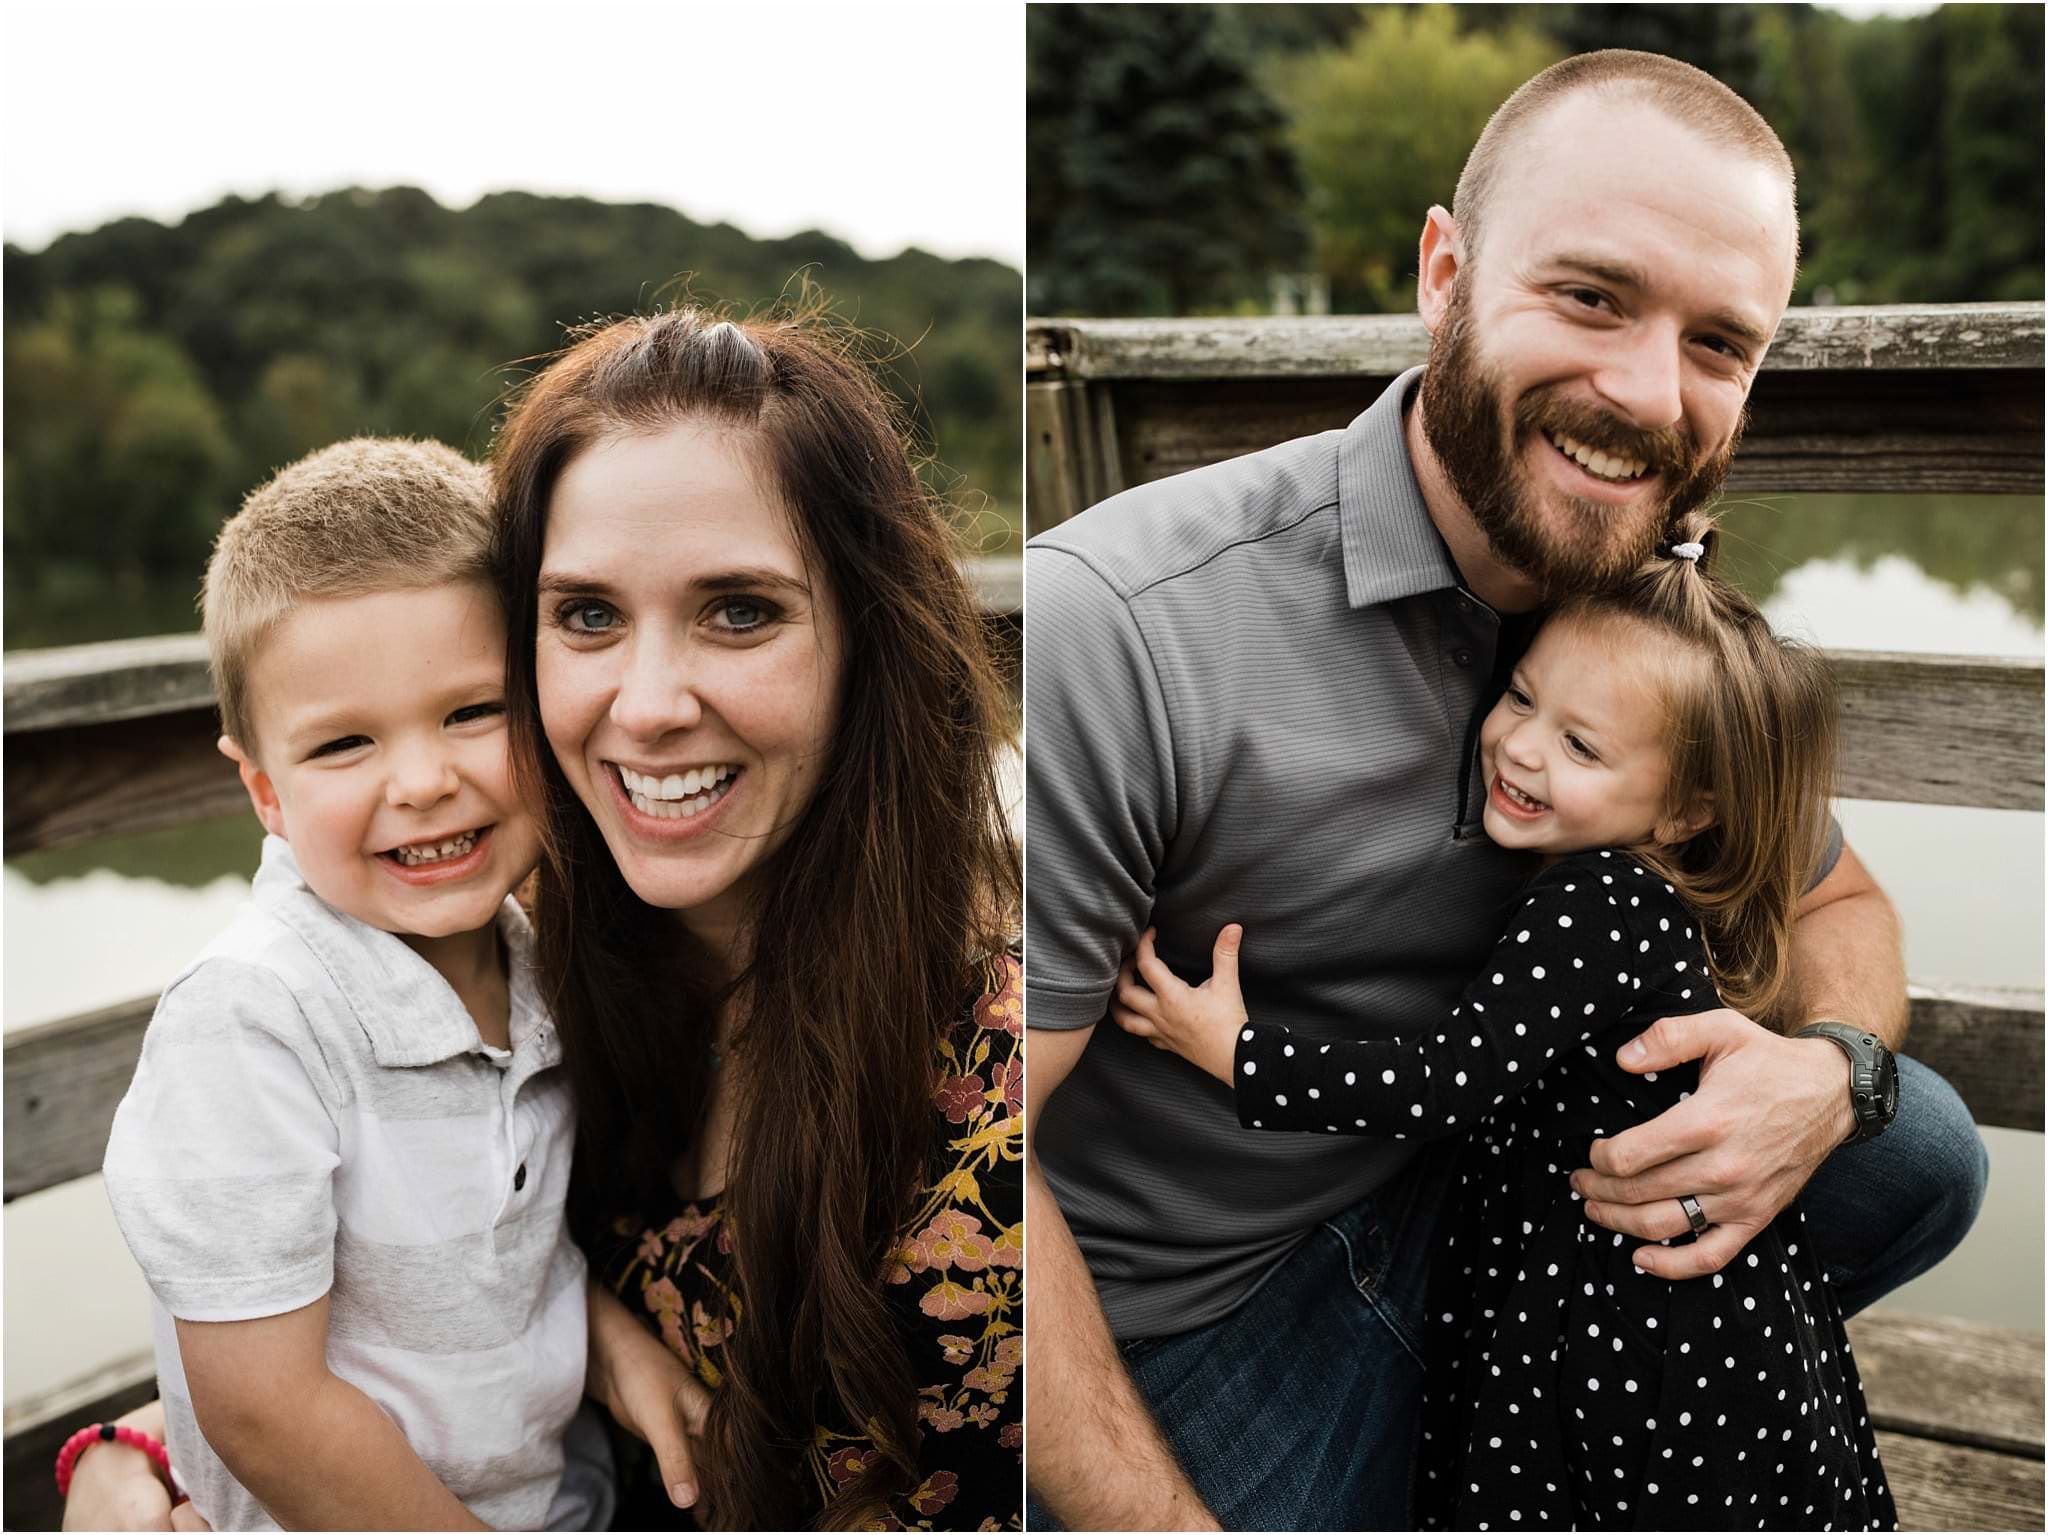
(433, 852)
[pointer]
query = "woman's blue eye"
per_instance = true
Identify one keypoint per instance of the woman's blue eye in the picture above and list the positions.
(742, 615)
(586, 617)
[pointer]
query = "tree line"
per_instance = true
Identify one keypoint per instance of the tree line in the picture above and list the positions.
(156, 372)
(1183, 156)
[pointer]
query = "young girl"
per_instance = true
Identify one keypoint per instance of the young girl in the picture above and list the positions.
(1670, 759)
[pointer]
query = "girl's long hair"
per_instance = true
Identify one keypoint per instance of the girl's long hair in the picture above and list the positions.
(874, 920)
(1752, 739)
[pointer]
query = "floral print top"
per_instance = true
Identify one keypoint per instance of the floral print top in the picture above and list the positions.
(956, 1285)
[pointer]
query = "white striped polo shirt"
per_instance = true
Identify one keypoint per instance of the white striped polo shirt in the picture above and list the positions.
(314, 1112)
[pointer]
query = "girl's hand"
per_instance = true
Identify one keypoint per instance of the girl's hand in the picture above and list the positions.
(1197, 1023)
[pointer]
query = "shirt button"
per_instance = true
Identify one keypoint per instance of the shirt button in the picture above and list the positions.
(1464, 605)
(1462, 657)
(519, 1178)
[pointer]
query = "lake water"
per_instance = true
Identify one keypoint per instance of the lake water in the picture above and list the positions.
(92, 926)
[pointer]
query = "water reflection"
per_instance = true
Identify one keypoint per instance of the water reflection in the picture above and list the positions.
(192, 855)
(1975, 546)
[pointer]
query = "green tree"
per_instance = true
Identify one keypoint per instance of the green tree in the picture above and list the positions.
(1381, 129)
(1158, 179)
(115, 447)
(156, 372)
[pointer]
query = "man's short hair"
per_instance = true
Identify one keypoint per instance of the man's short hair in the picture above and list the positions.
(372, 514)
(1687, 95)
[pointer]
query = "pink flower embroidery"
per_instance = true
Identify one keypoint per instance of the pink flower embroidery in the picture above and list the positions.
(954, 1240)
(952, 1303)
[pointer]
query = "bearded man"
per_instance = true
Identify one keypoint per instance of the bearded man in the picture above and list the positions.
(1253, 697)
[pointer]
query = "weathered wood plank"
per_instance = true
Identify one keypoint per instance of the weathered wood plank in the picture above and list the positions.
(1987, 1043)
(113, 680)
(38, 1427)
(1947, 1487)
(1940, 730)
(77, 783)
(1966, 1383)
(1052, 458)
(1933, 729)
(62, 1081)
(1968, 430)
(61, 1084)
(1907, 336)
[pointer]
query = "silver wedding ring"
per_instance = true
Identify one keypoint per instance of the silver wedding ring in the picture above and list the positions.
(1694, 1215)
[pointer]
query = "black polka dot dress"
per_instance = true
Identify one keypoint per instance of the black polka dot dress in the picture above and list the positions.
(1565, 1387)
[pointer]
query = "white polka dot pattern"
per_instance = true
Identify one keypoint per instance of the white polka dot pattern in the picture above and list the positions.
(1548, 1402)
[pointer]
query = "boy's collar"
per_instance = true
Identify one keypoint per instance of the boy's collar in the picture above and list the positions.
(405, 1008)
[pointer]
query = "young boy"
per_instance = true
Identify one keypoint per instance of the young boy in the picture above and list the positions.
(343, 1159)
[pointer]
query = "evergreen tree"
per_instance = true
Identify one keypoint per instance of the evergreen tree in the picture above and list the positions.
(1158, 180)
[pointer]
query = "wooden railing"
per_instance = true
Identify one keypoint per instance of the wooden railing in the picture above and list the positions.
(1945, 398)
(111, 740)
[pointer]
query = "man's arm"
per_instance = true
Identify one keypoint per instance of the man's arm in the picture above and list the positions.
(1769, 1109)
(1097, 1458)
(313, 1449)
(1848, 961)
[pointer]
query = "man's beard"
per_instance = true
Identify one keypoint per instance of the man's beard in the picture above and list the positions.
(1582, 545)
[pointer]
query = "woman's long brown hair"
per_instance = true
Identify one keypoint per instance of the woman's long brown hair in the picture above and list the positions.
(1751, 735)
(875, 917)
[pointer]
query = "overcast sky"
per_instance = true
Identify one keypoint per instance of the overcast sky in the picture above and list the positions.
(886, 125)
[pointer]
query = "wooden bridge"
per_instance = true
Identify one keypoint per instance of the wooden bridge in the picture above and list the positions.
(1944, 398)
(111, 740)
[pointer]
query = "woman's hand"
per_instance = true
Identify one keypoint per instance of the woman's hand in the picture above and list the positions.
(1197, 1023)
(115, 1486)
(649, 1391)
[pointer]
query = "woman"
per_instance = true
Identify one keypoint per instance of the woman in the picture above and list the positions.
(775, 908)
(753, 704)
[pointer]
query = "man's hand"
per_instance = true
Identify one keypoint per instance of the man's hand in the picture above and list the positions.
(1768, 1112)
(1197, 1023)
(651, 1393)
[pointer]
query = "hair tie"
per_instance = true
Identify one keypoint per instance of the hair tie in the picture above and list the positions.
(1688, 552)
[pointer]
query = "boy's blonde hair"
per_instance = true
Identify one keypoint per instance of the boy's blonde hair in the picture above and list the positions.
(372, 514)
(1751, 732)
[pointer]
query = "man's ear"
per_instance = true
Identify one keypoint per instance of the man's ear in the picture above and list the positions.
(1442, 259)
(262, 793)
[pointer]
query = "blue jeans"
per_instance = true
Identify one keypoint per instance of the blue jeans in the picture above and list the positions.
(1298, 1410)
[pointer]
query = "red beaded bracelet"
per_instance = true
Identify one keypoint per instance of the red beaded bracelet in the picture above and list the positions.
(110, 1433)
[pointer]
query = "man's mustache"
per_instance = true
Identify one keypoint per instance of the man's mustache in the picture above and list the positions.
(1670, 448)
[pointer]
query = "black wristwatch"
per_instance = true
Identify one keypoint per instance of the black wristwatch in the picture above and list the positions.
(1873, 1076)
